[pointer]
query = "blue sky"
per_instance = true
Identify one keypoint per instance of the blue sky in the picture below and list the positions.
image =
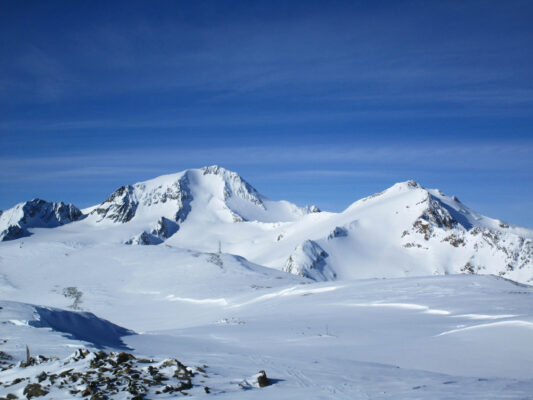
(313, 102)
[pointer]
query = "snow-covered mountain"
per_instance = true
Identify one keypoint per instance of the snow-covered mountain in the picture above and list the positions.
(406, 230)
(36, 213)
(162, 204)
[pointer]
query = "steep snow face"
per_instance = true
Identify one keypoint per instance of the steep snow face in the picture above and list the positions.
(235, 186)
(241, 201)
(37, 213)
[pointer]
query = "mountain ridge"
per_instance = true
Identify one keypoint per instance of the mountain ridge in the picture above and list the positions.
(404, 230)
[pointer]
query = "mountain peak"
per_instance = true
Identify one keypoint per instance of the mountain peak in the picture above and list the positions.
(36, 213)
(218, 193)
(405, 186)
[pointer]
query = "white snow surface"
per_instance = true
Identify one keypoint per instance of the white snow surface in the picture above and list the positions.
(296, 293)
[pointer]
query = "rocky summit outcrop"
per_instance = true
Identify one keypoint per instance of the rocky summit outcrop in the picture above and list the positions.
(36, 213)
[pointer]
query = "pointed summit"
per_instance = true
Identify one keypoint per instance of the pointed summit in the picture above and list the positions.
(208, 194)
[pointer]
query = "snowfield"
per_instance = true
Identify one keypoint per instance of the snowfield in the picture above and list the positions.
(194, 282)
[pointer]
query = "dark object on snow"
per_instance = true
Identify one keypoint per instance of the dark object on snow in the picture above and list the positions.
(262, 379)
(34, 390)
(28, 358)
(123, 357)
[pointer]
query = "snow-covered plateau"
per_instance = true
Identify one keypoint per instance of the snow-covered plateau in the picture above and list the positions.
(193, 283)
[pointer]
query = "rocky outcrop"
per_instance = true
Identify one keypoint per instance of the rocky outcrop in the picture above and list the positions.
(144, 239)
(164, 229)
(120, 206)
(439, 222)
(101, 375)
(37, 213)
(339, 231)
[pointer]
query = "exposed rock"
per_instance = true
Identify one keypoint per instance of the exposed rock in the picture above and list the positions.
(34, 390)
(309, 260)
(100, 375)
(120, 206)
(37, 213)
(165, 228)
(262, 379)
(338, 232)
(144, 239)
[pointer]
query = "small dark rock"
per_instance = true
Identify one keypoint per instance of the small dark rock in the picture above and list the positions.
(87, 391)
(123, 357)
(15, 381)
(65, 373)
(34, 390)
(42, 376)
(262, 379)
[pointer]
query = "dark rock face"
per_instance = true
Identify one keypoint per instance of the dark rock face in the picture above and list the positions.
(36, 213)
(120, 206)
(262, 379)
(48, 214)
(144, 239)
(437, 215)
(165, 228)
(13, 232)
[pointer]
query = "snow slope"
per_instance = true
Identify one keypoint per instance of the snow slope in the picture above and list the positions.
(460, 337)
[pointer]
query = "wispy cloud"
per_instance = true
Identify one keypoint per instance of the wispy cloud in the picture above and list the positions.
(332, 159)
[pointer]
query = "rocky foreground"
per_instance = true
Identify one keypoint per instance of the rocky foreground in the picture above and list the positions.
(100, 375)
